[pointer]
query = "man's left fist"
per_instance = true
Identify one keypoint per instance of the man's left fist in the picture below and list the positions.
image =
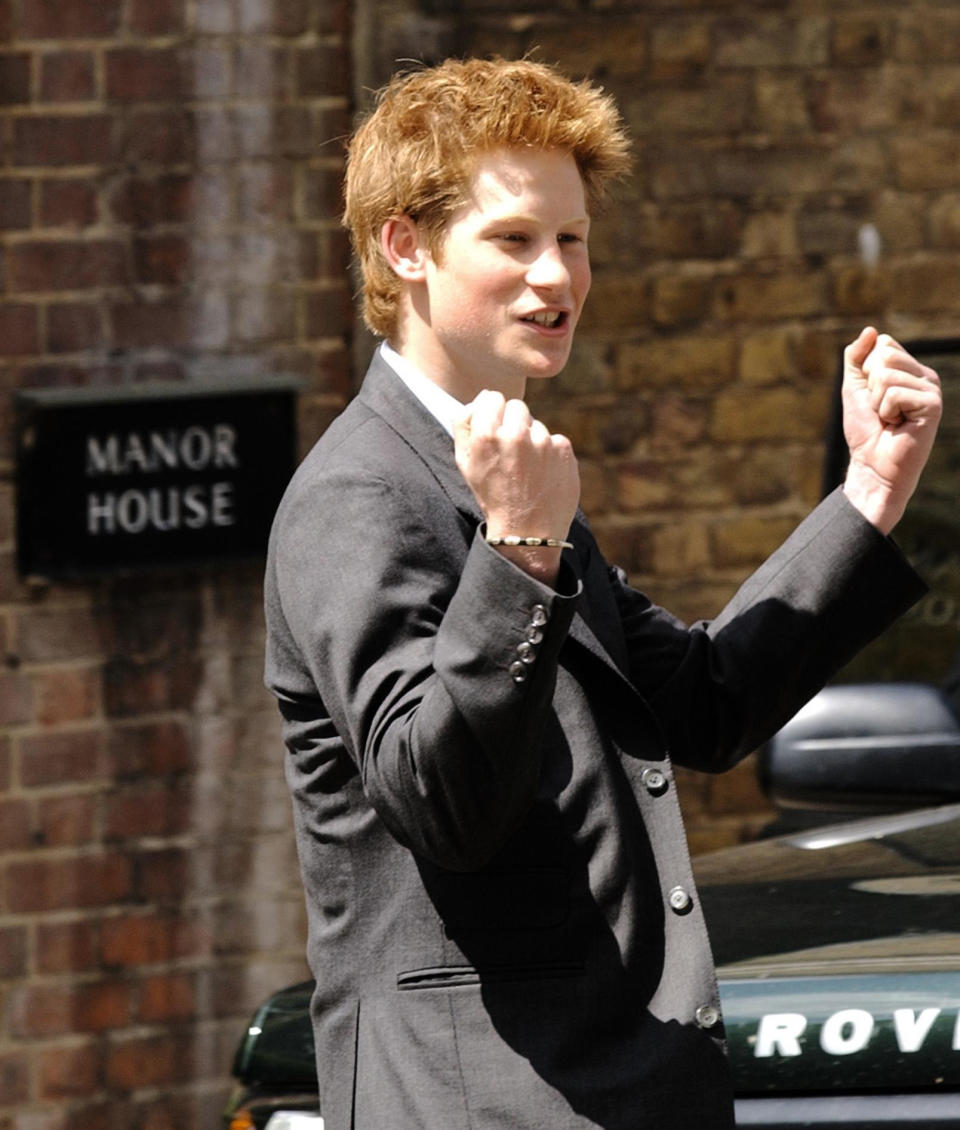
(892, 405)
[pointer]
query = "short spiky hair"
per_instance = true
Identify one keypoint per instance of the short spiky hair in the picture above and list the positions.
(412, 155)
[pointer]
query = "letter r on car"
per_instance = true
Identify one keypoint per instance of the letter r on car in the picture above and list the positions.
(779, 1034)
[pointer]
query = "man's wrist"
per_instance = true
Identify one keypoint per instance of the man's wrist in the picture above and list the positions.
(543, 564)
(875, 500)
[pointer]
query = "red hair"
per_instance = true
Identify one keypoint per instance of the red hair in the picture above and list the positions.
(413, 154)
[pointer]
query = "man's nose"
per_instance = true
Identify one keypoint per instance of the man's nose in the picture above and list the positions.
(548, 269)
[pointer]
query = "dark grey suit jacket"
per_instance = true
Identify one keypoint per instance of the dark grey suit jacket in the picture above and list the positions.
(503, 923)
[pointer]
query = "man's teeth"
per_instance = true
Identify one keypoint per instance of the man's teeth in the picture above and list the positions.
(546, 319)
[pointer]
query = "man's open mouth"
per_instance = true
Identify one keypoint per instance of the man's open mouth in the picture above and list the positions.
(550, 319)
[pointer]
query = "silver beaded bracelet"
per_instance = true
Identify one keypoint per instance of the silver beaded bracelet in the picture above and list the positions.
(546, 543)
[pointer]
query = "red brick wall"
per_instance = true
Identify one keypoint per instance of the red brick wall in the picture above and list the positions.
(168, 201)
(168, 189)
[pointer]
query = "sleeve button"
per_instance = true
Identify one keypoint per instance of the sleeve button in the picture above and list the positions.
(518, 672)
(527, 652)
(538, 616)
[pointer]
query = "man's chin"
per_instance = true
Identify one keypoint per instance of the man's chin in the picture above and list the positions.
(545, 366)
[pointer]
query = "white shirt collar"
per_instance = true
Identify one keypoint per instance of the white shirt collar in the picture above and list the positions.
(437, 401)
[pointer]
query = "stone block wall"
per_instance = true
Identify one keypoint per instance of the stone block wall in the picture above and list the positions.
(796, 178)
(169, 183)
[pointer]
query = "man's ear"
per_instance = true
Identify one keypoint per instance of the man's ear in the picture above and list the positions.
(404, 248)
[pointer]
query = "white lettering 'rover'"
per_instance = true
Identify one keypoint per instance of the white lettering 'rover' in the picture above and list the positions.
(845, 1032)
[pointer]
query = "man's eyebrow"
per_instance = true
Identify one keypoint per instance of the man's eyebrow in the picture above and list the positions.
(530, 218)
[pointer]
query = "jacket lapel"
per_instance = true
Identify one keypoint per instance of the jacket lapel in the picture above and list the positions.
(386, 394)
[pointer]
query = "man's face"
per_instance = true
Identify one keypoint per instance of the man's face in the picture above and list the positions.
(503, 296)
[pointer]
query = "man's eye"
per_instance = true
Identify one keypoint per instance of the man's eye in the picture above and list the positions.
(513, 237)
(569, 237)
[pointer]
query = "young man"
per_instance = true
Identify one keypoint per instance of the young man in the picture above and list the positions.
(504, 928)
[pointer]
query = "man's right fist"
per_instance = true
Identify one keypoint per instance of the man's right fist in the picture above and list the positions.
(525, 480)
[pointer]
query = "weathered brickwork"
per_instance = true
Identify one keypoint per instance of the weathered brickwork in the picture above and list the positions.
(169, 183)
(797, 177)
(168, 199)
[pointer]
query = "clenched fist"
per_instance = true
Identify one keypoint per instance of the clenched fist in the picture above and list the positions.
(525, 480)
(891, 409)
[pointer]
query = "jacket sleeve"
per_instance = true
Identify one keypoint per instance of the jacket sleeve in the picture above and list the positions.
(434, 658)
(721, 688)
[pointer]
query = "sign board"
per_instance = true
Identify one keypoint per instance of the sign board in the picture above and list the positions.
(124, 480)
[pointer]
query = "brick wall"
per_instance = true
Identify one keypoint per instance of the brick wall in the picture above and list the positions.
(777, 146)
(168, 188)
(168, 198)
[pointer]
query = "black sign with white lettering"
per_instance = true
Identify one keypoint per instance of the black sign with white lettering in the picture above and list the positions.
(154, 476)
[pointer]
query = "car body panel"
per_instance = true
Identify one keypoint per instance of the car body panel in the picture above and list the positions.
(851, 1112)
(278, 1046)
(845, 1033)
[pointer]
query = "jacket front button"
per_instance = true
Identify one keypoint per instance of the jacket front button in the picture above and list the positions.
(518, 671)
(680, 901)
(654, 781)
(706, 1016)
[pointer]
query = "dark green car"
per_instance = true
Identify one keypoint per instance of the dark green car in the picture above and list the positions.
(838, 944)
